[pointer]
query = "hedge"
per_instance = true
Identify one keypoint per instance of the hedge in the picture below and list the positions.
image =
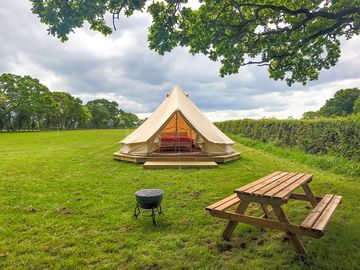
(335, 136)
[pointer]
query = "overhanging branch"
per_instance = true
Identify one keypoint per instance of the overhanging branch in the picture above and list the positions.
(321, 13)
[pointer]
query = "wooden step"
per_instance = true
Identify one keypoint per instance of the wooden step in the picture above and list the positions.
(179, 164)
(320, 216)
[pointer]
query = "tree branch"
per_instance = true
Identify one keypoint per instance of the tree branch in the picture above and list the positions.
(325, 14)
(324, 31)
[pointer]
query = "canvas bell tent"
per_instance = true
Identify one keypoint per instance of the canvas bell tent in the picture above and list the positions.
(176, 128)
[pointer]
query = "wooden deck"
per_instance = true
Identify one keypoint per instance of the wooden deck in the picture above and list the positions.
(184, 156)
(179, 164)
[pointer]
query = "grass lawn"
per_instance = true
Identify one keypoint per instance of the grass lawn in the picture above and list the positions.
(65, 204)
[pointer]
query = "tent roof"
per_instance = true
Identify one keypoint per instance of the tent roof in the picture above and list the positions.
(177, 100)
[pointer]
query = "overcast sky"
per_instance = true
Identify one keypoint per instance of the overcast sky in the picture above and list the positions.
(120, 67)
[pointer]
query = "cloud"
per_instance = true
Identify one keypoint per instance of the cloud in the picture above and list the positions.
(120, 67)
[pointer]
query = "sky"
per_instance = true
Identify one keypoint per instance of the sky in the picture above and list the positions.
(121, 67)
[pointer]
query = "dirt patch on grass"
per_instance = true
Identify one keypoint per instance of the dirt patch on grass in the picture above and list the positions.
(195, 194)
(65, 211)
(32, 210)
(224, 246)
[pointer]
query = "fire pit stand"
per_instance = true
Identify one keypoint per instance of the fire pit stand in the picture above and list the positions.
(148, 199)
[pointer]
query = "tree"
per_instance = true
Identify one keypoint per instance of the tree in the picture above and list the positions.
(128, 120)
(9, 91)
(104, 113)
(61, 109)
(84, 116)
(79, 114)
(344, 102)
(2, 110)
(356, 107)
(69, 112)
(293, 39)
(27, 102)
(341, 104)
(42, 105)
(310, 115)
(100, 115)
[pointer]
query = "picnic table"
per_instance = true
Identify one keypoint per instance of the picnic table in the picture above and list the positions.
(271, 193)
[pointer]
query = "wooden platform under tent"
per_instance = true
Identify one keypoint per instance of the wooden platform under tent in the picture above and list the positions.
(177, 157)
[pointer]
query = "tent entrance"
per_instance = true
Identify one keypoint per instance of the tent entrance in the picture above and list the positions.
(178, 136)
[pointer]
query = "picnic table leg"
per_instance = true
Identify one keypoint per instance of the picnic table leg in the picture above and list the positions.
(232, 224)
(267, 212)
(310, 195)
(299, 247)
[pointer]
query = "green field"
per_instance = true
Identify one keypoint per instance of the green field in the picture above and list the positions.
(65, 204)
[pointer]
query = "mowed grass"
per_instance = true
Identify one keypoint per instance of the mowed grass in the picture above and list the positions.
(66, 204)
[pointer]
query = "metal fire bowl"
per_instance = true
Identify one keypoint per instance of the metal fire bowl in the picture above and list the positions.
(149, 198)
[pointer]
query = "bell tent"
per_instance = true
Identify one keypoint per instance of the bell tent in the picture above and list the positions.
(177, 128)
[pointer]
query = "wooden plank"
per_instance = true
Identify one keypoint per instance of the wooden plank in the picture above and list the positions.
(314, 215)
(121, 157)
(299, 247)
(232, 224)
(265, 182)
(227, 158)
(302, 197)
(282, 185)
(327, 213)
(286, 192)
(248, 189)
(228, 204)
(258, 199)
(265, 223)
(309, 195)
(214, 205)
(274, 184)
(243, 188)
(179, 164)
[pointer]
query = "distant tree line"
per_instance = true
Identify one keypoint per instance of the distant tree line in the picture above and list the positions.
(345, 102)
(26, 104)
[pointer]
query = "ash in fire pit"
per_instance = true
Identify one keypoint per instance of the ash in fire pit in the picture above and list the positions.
(149, 199)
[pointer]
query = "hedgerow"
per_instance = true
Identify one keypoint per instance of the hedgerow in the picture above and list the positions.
(335, 136)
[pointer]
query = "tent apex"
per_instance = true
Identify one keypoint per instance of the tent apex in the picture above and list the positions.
(177, 89)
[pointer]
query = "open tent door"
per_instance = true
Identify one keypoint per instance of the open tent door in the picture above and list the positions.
(177, 135)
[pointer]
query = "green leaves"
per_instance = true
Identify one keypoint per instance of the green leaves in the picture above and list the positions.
(337, 136)
(294, 39)
(356, 107)
(104, 113)
(25, 103)
(63, 17)
(341, 104)
(344, 102)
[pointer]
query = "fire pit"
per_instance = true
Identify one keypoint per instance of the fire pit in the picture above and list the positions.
(148, 199)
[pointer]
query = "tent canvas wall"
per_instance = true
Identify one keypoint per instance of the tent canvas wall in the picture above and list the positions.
(177, 118)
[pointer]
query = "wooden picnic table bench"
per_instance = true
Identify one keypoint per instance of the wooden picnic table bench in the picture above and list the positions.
(271, 192)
